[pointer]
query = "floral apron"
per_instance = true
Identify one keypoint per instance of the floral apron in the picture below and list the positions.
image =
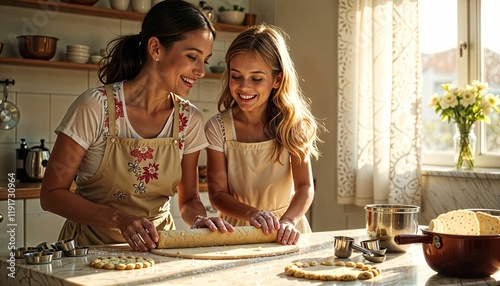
(255, 179)
(135, 175)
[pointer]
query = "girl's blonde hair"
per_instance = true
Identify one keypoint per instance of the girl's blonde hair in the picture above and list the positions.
(288, 118)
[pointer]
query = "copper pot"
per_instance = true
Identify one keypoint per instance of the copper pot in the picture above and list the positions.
(467, 256)
(37, 47)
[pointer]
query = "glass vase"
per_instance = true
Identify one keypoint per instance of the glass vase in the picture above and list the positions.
(465, 147)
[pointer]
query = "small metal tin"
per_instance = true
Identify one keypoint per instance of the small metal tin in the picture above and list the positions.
(77, 252)
(38, 258)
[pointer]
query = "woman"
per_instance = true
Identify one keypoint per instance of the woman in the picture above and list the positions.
(258, 166)
(131, 155)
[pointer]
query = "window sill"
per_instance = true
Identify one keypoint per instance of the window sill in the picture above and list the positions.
(446, 171)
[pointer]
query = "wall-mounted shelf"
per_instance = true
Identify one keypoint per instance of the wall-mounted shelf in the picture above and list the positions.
(48, 64)
(67, 65)
(98, 11)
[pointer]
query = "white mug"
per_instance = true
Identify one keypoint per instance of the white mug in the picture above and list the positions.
(119, 4)
(140, 6)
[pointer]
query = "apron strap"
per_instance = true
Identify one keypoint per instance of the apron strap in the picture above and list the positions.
(228, 128)
(111, 110)
(175, 132)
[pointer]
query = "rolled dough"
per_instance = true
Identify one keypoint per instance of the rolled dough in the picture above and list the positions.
(229, 251)
(206, 237)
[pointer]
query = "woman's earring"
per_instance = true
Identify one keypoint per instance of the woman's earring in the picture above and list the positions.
(157, 59)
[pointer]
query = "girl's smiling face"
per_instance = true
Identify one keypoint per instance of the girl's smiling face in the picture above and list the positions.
(251, 82)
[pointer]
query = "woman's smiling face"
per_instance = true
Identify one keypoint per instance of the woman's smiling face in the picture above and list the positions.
(251, 82)
(185, 62)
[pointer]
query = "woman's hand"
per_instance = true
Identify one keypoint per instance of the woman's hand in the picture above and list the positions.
(265, 220)
(213, 223)
(139, 232)
(288, 234)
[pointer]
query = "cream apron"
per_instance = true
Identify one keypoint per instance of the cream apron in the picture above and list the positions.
(257, 180)
(135, 175)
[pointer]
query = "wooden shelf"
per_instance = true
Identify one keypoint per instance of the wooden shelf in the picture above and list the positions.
(98, 11)
(48, 64)
(68, 65)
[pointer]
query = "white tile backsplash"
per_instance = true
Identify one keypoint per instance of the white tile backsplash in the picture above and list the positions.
(209, 90)
(35, 115)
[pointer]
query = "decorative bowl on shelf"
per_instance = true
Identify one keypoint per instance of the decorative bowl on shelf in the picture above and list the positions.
(217, 69)
(119, 4)
(37, 47)
(81, 2)
(232, 17)
(95, 59)
(140, 6)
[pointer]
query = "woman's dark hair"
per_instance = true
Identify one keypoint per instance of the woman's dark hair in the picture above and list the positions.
(169, 21)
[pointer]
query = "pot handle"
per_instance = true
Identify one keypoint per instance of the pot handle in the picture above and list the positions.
(412, 238)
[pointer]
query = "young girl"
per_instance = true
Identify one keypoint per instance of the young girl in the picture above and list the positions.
(260, 144)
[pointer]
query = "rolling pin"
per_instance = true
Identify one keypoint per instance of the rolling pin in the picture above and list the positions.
(205, 237)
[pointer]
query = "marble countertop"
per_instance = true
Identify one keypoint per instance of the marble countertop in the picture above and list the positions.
(407, 268)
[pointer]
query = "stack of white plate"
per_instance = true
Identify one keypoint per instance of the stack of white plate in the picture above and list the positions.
(77, 53)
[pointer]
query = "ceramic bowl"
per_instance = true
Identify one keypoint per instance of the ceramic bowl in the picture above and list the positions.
(140, 6)
(77, 59)
(77, 54)
(37, 47)
(95, 59)
(232, 17)
(119, 4)
(77, 48)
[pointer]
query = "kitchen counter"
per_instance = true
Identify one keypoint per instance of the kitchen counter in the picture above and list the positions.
(31, 190)
(407, 268)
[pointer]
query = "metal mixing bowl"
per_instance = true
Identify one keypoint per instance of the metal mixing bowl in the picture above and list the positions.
(385, 221)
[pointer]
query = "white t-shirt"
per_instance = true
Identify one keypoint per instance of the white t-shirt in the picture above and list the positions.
(215, 133)
(86, 122)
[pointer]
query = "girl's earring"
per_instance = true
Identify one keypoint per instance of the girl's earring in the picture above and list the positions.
(157, 59)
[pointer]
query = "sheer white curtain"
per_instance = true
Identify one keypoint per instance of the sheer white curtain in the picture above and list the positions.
(379, 126)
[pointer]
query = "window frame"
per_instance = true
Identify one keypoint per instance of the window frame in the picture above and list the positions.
(468, 68)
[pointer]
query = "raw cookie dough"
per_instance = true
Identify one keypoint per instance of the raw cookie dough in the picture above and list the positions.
(121, 262)
(332, 271)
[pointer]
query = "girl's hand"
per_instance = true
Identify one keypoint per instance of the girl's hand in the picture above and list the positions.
(139, 232)
(213, 223)
(265, 220)
(288, 234)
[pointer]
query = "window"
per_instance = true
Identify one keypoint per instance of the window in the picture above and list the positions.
(457, 53)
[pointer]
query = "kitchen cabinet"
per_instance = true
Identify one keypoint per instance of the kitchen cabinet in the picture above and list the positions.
(32, 224)
(11, 224)
(41, 226)
(89, 11)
